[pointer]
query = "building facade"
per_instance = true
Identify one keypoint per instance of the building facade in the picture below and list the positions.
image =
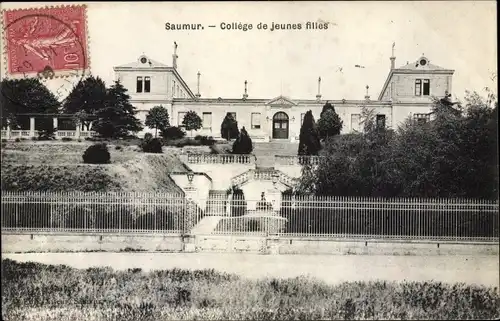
(406, 92)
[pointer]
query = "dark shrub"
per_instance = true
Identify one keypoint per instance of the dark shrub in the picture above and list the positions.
(148, 136)
(243, 144)
(17, 140)
(207, 141)
(118, 147)
(199, 137)
(34, 138)
(97, 154)
(4, 140)
(152, 146)
(79, 140)
(67, 139)
(172, 132)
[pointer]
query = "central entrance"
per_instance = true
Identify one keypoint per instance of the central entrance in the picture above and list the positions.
(280, 125)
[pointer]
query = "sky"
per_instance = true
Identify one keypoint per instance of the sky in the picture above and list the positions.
(459, 35)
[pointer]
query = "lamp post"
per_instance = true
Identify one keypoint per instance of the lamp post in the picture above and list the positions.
(190, 176)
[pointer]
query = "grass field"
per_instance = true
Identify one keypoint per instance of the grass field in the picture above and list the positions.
(33, 291)
(58, 166)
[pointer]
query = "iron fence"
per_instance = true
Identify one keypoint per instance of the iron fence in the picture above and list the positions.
(275, 214)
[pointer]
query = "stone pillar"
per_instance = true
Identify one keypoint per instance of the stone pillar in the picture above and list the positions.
(8, 132)
(77, 132)
(54, 124)
(32, 126)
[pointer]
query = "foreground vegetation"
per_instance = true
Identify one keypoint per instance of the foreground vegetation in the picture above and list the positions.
(32, 291)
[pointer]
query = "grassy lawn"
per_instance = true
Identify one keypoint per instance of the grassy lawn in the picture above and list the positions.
(33, 291)
(58, 166)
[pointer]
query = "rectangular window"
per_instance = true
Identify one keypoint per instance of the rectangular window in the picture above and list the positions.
(234, 115)
(180, 118)
(207, 120)
(427, 87)
(147, 84)
(302, 119)
(380, 121)
(139, 84)
(255, 120)
(173, 89)
(355, 122)
(418, 87)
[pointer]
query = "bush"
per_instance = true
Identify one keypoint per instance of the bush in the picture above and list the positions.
(67, 139)
(172, 132)
(97, 154)
(243, 145)
(79, 140)
(4, 140)
(34, 138)
(148, 136)
(152, 146)
(118, 147)
(17, 140)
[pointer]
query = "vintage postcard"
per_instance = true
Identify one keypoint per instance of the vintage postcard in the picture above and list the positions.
(249, 160)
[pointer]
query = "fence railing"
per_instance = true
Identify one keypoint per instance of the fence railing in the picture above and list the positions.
(98, 212)
(296, 160)
(220, 159)
(6, 134)
(282, 215)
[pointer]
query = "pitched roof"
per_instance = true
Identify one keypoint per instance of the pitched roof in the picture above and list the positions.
(421, 64)
(143, 62)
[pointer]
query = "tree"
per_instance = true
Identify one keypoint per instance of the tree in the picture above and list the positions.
(243, 144)
(117, 118)
(157, 118)
(309, 143)
(86, 99)
(21, 96)
(229, 127)
(329, 123)
(191, 121)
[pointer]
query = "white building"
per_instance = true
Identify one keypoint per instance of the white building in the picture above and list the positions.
(407, 92)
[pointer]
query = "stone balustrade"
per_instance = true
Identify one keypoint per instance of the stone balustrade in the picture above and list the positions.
(8, 133)
(296, 160)
(220, 159)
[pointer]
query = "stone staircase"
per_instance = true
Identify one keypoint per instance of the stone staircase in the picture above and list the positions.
(265, 151)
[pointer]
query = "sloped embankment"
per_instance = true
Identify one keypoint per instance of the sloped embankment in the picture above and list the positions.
(147, 172)
(60, 168)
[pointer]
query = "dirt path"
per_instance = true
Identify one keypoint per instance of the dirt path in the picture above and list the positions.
(330, 268)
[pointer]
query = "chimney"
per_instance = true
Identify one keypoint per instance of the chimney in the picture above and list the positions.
(198, 93)
(245, 95)
(318, 96)
(367, 96)
(393, 58)
(174, 56)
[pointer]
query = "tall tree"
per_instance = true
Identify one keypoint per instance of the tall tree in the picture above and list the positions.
(309, 143)
(229, 127)
(192, 121)
(117, 118)
(157, 118)
(329, 123)
(27, 95)
(86, 99)
(243, 144)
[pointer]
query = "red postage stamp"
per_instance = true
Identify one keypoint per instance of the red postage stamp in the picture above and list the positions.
(46, 42)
